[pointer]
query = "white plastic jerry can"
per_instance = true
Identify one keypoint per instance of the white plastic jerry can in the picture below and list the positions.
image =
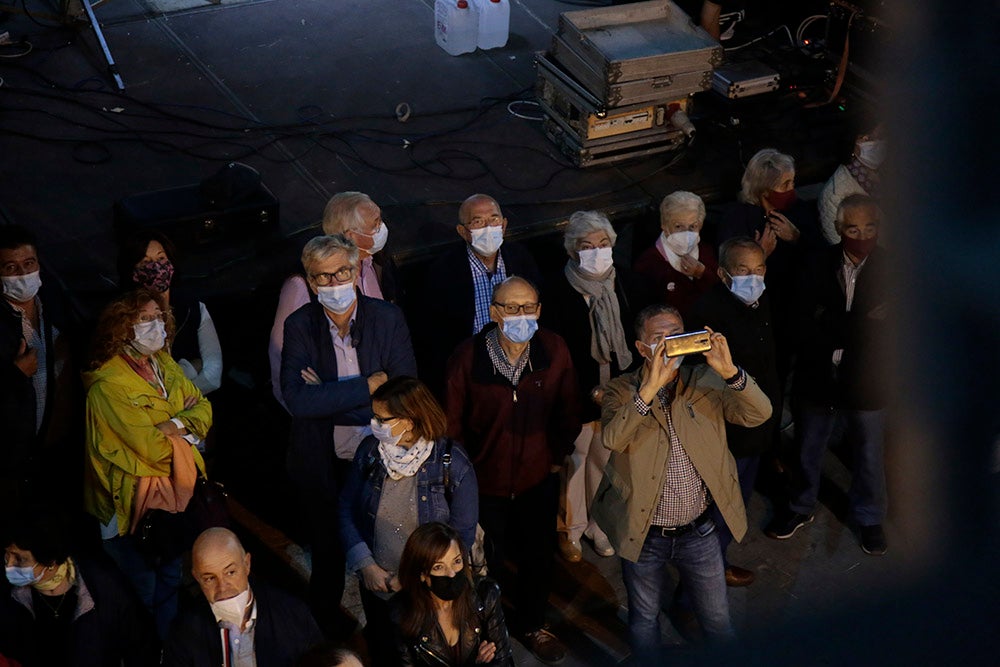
(494, 23)
(456, 26)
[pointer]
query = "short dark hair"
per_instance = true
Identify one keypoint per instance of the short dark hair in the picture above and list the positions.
(133, 249)
(44, 531)
(729, 248)
(15, 236)
(649, 312)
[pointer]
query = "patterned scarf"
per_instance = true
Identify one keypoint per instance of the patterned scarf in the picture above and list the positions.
(866, 178)
(403, 462)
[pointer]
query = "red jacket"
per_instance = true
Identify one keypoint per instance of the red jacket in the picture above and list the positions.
(665, 284)
(513, 434)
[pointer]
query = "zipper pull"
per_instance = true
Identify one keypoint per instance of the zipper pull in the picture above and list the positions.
(690, 410)
(515, 395)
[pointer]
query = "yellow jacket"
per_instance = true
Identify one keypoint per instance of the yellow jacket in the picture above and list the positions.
(123, 442)
(626, 498)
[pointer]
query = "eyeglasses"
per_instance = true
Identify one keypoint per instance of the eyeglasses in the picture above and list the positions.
(382, 421)
(479, 222)
(514, 308)
(376, 230)
(339, 276)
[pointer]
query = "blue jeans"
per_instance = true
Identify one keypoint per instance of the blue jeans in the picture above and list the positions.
(698, 560)
(865, 433)
(157, 585)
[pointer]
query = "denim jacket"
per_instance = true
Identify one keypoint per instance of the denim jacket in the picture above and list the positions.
(363, 488)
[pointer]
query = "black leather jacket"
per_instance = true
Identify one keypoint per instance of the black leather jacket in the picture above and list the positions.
(431, 650)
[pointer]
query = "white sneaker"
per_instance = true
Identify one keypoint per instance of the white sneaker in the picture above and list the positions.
(602, 547)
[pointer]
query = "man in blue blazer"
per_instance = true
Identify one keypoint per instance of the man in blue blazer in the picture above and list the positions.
(338, 350)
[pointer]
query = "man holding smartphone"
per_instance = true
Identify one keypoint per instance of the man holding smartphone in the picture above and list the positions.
(669, 466)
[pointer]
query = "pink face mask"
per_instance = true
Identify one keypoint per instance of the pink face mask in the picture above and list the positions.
(156, 275)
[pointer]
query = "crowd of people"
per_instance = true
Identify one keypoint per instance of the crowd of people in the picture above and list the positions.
(446, 456)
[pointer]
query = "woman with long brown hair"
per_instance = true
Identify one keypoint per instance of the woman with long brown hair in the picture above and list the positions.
(444, 619)
(143, 421)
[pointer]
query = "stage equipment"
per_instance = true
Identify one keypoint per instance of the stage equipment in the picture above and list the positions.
(744, 79)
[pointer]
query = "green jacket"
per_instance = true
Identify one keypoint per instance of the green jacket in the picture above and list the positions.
(627, 496)
(123, 442)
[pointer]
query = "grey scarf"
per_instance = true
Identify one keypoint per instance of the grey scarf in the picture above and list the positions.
(606, 331)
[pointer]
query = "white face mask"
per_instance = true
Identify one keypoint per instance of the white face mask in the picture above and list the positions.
(337, 298)
(149, 336)
(378, 239)
(596, 261)
(871, 153)
(232, 610)
(682, 243)
(22, 288)
(383, 432)
(487, 240)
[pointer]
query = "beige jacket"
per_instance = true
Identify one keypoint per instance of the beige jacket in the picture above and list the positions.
(627, 496)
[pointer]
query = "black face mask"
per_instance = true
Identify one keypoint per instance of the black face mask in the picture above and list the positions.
(449, 588)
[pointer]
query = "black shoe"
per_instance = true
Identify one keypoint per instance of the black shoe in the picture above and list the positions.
(873, 540)
(784, 524)
(545, 645)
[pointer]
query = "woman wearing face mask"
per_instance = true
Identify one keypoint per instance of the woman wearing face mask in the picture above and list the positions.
(399, 480)
(147, 260)
(680, 266)
(770, 212)
(144, 420)
(443, 617)
(591, 307)
(66, 611)
(357, 217)
(859, 176)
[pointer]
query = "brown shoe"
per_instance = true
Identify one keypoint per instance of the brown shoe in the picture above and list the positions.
(738, 576)
(570, 549)
(545, 645)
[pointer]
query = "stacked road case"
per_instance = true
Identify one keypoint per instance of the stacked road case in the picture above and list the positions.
(615, 76)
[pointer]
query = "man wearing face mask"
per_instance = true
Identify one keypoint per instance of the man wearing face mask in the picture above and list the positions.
(860, 175)
(739, 308)
(680, 267)
(669, 467)
(242, 625)
(337, 351)
(35, 386)
(839, 372)
(460, 283)
(512, 399)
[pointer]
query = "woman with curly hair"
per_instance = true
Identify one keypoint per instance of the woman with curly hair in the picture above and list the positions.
(443, 617)
(143, 420)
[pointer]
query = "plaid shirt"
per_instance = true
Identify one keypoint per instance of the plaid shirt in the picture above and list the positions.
(499, 357)
(483, 283)
(683, 496)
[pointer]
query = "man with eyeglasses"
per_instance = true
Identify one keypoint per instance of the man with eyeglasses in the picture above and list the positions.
(511, 398)
(33, 380)
(337, 351)
(461, 282)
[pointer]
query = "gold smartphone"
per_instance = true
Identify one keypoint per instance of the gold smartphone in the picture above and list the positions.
(687, 343)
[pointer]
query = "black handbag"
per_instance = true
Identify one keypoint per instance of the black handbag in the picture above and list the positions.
(163, 535)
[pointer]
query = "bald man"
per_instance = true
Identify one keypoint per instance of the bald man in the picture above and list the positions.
(455, 302)
(237, 624)
(512, 399)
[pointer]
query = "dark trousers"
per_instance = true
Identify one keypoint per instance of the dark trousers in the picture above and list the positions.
(379, 629)
(326, 583)
(746, 468)
(523, 529)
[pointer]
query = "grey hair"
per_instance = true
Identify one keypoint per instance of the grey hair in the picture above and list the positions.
(729, 248)
(857, 200)
(341, 214)
(681, 201)
(512, 280)
(322, 247)
(649, 312)
(763, 173)
(583, 223)
(463, 210)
